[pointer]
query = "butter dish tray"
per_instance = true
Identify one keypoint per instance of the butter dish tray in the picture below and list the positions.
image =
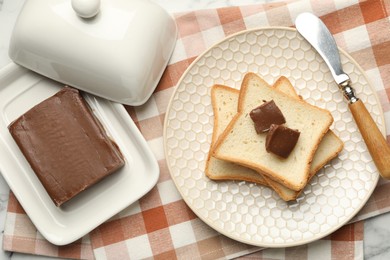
(20, 90)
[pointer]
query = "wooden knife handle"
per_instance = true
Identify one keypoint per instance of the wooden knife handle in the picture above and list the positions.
(375, 141)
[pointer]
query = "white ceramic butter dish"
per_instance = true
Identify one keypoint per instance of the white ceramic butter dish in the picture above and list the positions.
(115, 49)
(22, 89)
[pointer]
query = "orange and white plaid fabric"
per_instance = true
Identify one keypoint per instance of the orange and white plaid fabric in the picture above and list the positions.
(160, 225)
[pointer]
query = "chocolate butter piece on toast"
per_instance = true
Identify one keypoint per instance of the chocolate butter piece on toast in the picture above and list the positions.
(265, 115)
(281, 140)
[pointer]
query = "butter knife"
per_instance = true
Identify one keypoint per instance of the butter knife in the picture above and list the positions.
(318, 35)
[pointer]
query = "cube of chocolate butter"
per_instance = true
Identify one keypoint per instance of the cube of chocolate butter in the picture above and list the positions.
(281, 140)
(265, 115)
(65, 145)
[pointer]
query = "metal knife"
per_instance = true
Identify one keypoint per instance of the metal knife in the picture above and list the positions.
(318, 35)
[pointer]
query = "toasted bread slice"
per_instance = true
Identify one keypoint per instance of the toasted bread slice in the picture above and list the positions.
(224, 101)
(329, 147)
(240, 144)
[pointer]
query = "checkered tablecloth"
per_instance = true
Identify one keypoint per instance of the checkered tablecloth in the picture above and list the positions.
(160, 225)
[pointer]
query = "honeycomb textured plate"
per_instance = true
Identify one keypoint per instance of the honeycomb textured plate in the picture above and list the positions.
(251, 213)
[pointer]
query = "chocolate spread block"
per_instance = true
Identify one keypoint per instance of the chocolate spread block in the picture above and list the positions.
(281, 140)
(65, 145)
(265, 115)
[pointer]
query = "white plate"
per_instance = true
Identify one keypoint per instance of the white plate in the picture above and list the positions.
(251, 213)
(20, 90)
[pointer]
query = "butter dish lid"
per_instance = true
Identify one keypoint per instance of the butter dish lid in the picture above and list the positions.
(115, 49)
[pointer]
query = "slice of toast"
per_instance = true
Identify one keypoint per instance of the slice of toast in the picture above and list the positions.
(329, 147)
(224, 102)
(240, 144)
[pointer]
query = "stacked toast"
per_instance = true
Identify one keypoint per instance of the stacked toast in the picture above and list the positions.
(239, 152)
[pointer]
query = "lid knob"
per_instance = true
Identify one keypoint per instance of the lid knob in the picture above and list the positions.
(86, 8)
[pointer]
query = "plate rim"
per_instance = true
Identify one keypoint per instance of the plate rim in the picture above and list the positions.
(206, 220)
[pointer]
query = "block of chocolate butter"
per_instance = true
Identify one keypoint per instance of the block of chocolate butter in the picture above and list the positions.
(65, 145)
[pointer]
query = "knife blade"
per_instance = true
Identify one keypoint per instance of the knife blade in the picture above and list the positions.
(318, 35)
